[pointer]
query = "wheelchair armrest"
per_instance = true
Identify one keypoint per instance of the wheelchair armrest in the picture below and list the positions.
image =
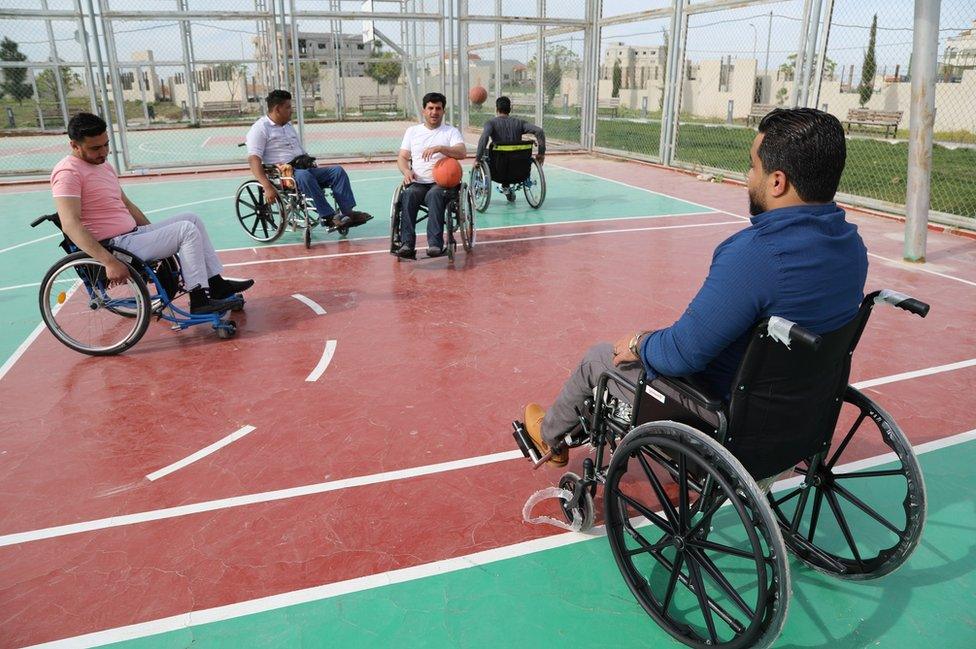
(687, 388)
(53, 218)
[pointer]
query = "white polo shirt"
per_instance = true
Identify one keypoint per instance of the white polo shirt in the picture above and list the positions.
(419, 137)
(272, 143)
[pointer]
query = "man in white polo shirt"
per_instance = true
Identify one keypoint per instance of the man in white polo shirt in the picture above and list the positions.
(423, 145)
(95, 211)
(273, 140)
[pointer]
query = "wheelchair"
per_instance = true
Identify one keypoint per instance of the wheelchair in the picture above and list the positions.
(111, 319)
(292, 211)
(458, 218)
(511, 165)
(708, 561)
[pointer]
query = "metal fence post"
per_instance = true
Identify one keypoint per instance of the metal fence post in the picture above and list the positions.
(82, 36)
(59, 83)
(925, 48)
(540, 68)
(675, 69)
(106, 107)
(465, 68)
(811, 52)
(822, 48)
(498, 51)
(113, 68)
(800, 51)
(296, 61)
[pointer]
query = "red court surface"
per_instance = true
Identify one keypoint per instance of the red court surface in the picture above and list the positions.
(430, 365)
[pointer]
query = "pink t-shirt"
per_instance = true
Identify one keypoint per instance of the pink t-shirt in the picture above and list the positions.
(103, 213)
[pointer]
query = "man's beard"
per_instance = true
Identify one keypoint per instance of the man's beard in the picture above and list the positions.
(756, 204)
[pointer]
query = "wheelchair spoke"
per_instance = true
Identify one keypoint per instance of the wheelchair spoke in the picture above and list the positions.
(815, 515)
(672, 581)
(645, 512)
(718, 547)
(704, 602)
(723, 583)
(857, 502)
(869, 474)
(707, 516)
(684, 519)
(647, 548)
(847, 439)
(254, 199)
(257, 222)
(789, 496)
(844, 527)
(659, 492)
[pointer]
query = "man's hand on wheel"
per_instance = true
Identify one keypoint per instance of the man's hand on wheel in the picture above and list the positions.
(270, 195)
(407, 178)
(541, 159)
(116, 272)
(621, 351)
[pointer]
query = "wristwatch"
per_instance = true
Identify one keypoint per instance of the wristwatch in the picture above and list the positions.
(635, 343)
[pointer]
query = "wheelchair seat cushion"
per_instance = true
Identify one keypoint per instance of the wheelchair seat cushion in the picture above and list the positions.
(510, 163)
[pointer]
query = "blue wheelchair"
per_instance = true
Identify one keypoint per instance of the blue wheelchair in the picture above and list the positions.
(109, 319)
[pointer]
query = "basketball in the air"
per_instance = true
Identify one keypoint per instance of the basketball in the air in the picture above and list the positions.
(477, 95)
(447, 173)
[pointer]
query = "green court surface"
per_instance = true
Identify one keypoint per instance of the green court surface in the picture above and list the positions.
(574, 596)
(571, 196)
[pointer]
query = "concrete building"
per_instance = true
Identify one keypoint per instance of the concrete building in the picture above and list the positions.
(959, 54)
(640, 65)
(354, 55)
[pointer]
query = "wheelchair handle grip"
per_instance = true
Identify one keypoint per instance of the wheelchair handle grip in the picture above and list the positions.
(804, 337)
(36, 222)
(788, 332)
(900, 300)
(912, 305)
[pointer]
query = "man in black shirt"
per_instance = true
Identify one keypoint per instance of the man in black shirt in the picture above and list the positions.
(505, 129)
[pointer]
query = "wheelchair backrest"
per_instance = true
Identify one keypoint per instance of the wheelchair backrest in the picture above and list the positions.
(510, 163)
(786, 400)
(65, 243)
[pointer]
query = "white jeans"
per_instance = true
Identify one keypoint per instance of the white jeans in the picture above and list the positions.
(183, 234)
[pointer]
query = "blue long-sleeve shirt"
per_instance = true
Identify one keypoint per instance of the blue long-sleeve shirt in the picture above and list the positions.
(804, 263)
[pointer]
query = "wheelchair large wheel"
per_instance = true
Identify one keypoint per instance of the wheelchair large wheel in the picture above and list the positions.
(853, 523)
(710, 568)
(87, 315)
(261, 221)
(535, 187)
(395, 219)
(466, 217)
(480, 183)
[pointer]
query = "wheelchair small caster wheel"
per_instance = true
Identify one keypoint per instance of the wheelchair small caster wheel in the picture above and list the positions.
(227, 330)
(343, 231)
(239, 306)
(584, 509)
(308, 238)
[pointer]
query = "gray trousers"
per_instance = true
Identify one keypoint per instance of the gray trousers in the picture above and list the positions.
(183, 234)
(561, 417)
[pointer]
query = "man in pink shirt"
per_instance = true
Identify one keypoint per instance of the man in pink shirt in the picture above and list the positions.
(94, 212)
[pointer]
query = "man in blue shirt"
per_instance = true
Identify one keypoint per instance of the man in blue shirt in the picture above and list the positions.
(800, 259)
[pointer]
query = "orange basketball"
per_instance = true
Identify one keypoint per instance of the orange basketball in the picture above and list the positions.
(477, 95)
(447, 173)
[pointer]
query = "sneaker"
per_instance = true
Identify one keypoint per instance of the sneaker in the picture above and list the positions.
(406, 252)
(229, 288)
(533, 426)
(358, 218)
(437, 252)
(335, 221)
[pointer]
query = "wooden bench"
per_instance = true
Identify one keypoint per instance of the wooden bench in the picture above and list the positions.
(377, 102)
(886, 119)
(218, 108)
(759, 111)
(52, 117)
(611, 105)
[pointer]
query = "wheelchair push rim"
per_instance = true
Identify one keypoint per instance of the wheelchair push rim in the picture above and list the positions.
(856, 523)
(466, 219)
(709, 566)
(534, 187)
(261, 221)
(87, 315)
(481, 186)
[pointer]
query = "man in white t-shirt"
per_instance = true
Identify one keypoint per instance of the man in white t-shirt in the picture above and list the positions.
(423, 145)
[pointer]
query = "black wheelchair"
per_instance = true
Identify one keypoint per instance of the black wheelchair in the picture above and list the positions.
(106, 319)
(292, 211)
(706, 556)
(513, 167)
(458, 219)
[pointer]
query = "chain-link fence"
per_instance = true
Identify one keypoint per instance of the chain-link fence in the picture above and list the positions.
(682, 83)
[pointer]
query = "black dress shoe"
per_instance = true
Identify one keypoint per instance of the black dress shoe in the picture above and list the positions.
(406, 252)
(230, 287)
(215, 306)
(437, 252)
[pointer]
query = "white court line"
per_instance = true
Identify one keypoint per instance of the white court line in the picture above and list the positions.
(259, 262)
(173, 207)
(312, 304)
(37, 332)
(206, 141)
(376, 580)
(917, 373)
(322, 487)
(27, 243)
(330, 347)
(256, 498)
(907, 266)
(203, 452)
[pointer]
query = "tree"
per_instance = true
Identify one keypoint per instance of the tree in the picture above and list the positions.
(788, 69)
(231, 74)
(384, 68)
(310, 78)
(559, 59)
(615, 92)
(13, 78)
(870, 66)
(47, 83)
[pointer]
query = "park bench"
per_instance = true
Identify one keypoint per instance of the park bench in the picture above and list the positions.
(759, 111)
(219, 108)
(52, 118)
(611, 105)
(377, 102)
(886, 119)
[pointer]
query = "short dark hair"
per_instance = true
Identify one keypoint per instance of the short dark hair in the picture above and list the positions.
(503, 105)
(84, 125)
(808, 146)
(434, 98)
(277, 97)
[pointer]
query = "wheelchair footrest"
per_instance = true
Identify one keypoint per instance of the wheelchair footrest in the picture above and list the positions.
(525, 443)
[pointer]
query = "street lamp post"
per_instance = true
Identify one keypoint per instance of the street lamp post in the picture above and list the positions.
(754, 38)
